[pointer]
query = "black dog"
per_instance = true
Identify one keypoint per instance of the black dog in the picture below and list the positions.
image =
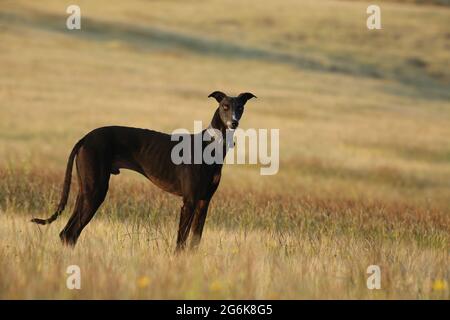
(105, 150)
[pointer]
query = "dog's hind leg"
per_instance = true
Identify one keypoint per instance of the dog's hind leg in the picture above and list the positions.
(65, 235)
(85, 209)
(94, 180)
(186, 217)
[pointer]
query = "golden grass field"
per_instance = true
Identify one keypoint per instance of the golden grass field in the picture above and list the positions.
(364, 119)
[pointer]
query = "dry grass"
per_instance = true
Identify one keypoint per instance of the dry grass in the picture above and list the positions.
(234, 264)
(263, 247)
(364, 121)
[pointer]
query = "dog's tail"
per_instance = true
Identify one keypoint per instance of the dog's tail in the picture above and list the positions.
(66, 187)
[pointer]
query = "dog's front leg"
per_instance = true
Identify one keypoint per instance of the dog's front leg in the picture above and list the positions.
(201, 211)
(186, 217)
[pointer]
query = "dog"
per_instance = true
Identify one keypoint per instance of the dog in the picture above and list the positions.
(106, 150)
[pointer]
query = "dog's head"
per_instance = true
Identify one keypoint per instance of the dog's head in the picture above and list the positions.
(231, 108)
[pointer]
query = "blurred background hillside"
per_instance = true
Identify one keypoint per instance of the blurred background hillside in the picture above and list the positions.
(367, 110)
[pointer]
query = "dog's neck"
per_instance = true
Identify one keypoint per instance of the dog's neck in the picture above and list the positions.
(218, 131)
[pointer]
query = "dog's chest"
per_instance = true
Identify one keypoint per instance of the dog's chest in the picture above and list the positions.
(216, 179)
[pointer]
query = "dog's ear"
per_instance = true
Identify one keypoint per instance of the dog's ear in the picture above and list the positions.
(246, 96)
(218, 95)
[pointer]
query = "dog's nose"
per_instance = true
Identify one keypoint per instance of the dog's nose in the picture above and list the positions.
(234, 124)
